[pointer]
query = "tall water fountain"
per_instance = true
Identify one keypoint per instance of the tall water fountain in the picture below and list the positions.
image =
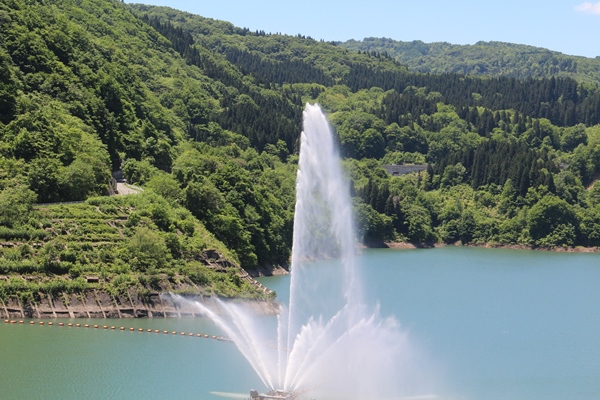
(327, 342)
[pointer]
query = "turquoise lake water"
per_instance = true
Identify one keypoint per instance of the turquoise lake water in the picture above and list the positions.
(498, 325)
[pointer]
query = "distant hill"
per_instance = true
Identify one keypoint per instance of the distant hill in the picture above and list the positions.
(483, 58)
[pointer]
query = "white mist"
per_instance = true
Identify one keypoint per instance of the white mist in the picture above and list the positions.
(328, 343)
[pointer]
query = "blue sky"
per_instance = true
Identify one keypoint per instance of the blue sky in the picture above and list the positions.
(569, 26)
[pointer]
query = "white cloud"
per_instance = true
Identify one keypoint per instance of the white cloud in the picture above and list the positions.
(589, 8)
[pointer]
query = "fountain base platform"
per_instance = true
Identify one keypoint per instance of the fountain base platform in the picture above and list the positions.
(273, 395)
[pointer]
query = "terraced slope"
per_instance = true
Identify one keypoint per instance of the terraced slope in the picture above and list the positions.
(113, 256)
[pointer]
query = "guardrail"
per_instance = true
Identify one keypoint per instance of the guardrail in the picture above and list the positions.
(57, 203)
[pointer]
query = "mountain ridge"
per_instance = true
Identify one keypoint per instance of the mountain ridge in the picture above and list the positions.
(493, 58)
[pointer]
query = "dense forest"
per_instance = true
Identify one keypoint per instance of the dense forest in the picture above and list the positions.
(483, 59)
(206, 117)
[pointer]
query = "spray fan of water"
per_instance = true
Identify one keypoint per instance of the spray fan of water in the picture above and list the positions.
(327, 342)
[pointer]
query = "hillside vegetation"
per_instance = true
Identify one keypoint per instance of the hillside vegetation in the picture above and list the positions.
(206, 116)
(483, 58)
(115, 244)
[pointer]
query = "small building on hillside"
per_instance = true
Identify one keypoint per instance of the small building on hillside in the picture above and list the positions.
(403, 169)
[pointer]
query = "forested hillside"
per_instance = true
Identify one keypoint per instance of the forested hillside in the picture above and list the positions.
(533, 140)
(206, 116)
(483, 58)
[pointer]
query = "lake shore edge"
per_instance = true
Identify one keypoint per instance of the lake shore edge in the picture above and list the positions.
(101, 304)
(410, 245)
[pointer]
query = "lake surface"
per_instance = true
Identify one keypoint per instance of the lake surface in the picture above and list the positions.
(498, 324)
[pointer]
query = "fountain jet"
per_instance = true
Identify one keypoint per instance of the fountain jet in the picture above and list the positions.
(327, 341)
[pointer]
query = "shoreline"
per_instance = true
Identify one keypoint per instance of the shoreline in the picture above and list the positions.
(100, 304)
(409, 245)
(271, 270)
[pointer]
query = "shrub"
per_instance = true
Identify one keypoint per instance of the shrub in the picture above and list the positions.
(147, 249)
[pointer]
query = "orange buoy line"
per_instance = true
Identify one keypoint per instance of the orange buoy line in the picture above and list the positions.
(122, 328)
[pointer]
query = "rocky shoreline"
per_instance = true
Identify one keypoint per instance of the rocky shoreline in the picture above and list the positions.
(408, 245)
(271, 270)
(101, 304)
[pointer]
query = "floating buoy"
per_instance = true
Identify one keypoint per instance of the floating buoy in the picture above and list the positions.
(122, 328)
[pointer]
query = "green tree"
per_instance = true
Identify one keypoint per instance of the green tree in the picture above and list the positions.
(594, 194)
(204, 200)
(418, 220)
(350, 143)
(84, 177)
(8, 88)
(573, 136)
(569, 187)
(373, 227)
(16, 204)
(552, 222)
(139, 172)
(450, 216)
(147, 250)
(44, 179)
(372, 144)
(167, 186)
(590, 226)
(453, 175)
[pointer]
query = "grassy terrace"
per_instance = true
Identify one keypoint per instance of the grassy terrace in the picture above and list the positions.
(114, 244)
